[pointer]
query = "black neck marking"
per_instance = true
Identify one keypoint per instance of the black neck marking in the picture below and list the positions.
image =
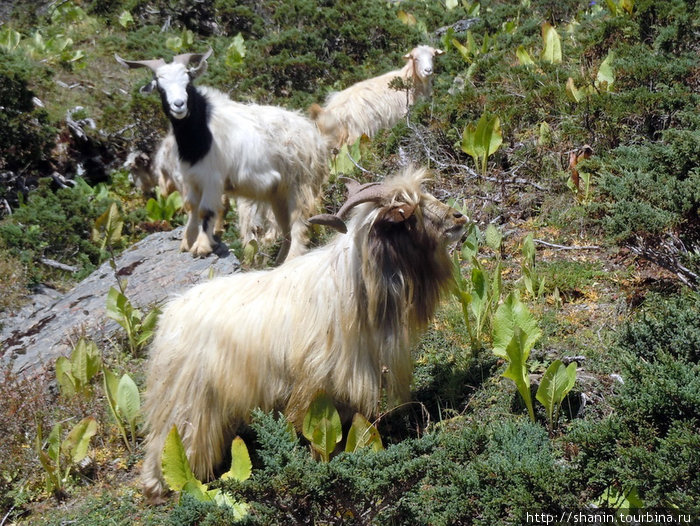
(193, 136)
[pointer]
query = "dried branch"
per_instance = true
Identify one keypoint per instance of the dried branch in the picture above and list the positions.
(563, 247)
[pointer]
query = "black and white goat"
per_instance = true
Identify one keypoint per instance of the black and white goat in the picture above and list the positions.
(264, 153)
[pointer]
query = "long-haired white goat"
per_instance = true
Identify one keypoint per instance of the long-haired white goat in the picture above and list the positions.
(370, 105)
(341, 318)
(264, 153)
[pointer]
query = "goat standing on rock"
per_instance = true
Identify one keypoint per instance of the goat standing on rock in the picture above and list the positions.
(264, 153)
(341, 318)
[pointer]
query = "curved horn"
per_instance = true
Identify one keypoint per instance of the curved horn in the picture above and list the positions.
(186, 58)
(357, 194)
(330, 220)
(153, 65)
(360, 193)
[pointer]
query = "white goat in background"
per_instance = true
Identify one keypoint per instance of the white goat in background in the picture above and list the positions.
(370, 105)
(264, 153)
(341, 318)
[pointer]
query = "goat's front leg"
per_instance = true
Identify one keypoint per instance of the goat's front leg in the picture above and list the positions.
(209, 210)
(189, 237)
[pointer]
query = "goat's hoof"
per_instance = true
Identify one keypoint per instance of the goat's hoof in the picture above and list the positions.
(184, 246)
(201, 250)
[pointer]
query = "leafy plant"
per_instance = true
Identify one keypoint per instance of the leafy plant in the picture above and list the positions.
(124, 403)
(362, 434)
(515, 333)
(556, 383)
(532, 281)
(551, 50)
(75, 373)
(322, 427)
(68, 453)
(480, 293)
(179, 43)
(163, 208)
(179, 477)
(235, 53)
(482, 140)
(107, 230)
(139, 327)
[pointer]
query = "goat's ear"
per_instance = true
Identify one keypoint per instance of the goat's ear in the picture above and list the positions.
(148, 88)
(408, 56)
(396, 213)
(439, 52)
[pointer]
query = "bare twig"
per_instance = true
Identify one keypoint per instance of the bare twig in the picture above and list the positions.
(357, 165)
(563, 247)
(57, 264)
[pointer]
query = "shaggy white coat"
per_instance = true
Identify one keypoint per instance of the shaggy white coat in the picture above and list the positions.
(370, 105)
(341, 318)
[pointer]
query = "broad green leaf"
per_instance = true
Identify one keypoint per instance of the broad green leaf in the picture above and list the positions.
(551, 386)
(528, 250)
(111, 385)
(176, 467)
(406, 18)
(198, 490)
(488, 137)
(9, 39)
(322, 425)
(108, 227)
(64, 376)
(479, 293)
(524, 57)
(125, 19)
(510, 314)
(362, 434)
(174, 43)
(493, 237)
(627, 5)
(54, 442)
(518, 353)
(117, 306)
(606, 75)
(128, 399)
(463, 50)
(545, 135)
(235, 53)
(552, 44)
(76, 444)
(79, 360)
(154, 211)
(324, 438)
(250, 251)
(469, 145)
(93, 362)
(241, 466)
(572, 91)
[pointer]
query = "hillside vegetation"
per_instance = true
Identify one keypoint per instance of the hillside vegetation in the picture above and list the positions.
(564, 373)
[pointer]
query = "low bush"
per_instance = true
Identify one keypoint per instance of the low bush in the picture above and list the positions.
(55, 225)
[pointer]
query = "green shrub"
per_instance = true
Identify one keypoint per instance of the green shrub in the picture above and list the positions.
(54, 225)
(665, 325)
(654, 189)
(26, 136)
(491, 471)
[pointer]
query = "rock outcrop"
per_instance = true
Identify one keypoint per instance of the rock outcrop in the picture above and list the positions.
(154, 269)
